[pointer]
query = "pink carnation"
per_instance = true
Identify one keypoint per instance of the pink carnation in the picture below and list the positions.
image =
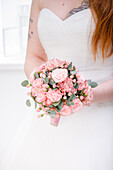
(59, 75)
(48, 102)
(37, 83)
(32, 77)
(67, 85)
(80, 78)
(77, 105)
(87, 101)
(41, 97)
(66, 110)
(56, 62)
(42, 67)
(54, 95)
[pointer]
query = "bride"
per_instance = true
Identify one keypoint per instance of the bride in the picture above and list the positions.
(81, 32)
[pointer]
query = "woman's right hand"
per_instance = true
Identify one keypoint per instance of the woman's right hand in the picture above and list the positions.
(35, 55)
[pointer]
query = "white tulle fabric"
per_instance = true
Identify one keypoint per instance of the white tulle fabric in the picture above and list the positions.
(84, 140)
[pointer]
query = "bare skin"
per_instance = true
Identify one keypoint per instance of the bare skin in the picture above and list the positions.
(35, 55)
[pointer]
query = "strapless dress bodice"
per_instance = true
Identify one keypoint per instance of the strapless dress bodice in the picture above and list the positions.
(71, 40)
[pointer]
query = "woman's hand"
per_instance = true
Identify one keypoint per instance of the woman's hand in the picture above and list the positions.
(103, 92)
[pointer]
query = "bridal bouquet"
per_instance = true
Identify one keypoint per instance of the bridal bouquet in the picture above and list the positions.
(58, 89)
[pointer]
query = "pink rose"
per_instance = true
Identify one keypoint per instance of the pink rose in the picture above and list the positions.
(66, 110)
(37, 83)
(54, 95)
(59, 75)
(41, 97)
(77, 105)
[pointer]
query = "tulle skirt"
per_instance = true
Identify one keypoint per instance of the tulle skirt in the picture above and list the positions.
(82, 141)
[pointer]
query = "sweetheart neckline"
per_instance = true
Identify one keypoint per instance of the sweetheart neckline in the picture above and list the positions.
(69, 18)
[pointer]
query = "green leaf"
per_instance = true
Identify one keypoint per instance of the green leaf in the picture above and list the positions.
(70, 99)
(73, 72)
(76, 86)
(42, 115)
(51, 81)
(56, 103)
(55, 88)
(68, 102)
(51, 112)
(60, 105)
(64, 64)
(57, 110)
(36, 75)
(35, 105)
(50, 106)
(69, 66)
(89, 82)
(93, 84)
(24, 83)
(46, 73)
(39, 72)
(73, 96)
(73, 68)
(28, 103)
(45, 80)
(52, 116)
(71, 103)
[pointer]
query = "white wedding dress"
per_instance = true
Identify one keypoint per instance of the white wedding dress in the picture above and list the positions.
(84, 140)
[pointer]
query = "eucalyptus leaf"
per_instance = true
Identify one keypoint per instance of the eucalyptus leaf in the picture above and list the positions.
(35, 104)
(56, 103)
(89, 82)
(55, 88)
(57, 110)
(36, 75)
(73, 96)
(68, 102)
(46, 73)
(50, 106)
(73, 72)
(76, 86)
(52, 116)
(60, 105)
(51, 81)
(69, 66)
(28, 103)
(51, 112)
(24, 83)
(71, 103)
(93, 84)
(45, 80)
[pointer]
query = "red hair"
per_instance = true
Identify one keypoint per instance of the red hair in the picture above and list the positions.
(102, 11)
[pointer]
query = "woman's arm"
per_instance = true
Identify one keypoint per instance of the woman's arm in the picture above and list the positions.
(35, 55)
(103, 92)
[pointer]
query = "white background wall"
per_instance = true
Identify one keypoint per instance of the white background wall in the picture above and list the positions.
(14, 20)
(12, 106)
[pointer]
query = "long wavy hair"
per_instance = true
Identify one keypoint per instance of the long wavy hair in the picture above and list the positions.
(102, 11)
